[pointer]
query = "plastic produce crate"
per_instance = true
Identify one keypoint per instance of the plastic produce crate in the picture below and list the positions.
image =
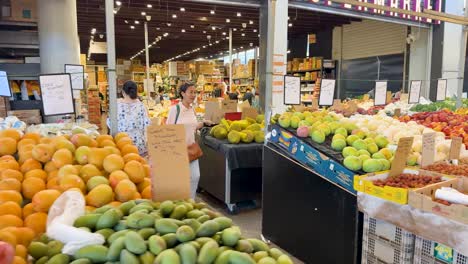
(384, 243)
(430, 252)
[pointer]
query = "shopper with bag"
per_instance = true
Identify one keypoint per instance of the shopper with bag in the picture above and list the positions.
(183, 113)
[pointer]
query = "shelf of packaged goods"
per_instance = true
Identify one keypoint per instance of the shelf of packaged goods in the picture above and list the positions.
(304, 71)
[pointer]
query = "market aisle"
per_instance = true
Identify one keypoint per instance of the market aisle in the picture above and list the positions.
(250, 221)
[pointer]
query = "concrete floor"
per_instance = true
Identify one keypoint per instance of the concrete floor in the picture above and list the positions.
(249, 220)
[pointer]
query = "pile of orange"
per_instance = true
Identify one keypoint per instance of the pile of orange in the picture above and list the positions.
(35, 170)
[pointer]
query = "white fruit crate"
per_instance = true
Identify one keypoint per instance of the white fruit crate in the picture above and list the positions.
(394, 235)
(385, 243)
(430, 252)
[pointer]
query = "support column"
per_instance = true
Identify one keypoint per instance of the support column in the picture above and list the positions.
(273, 43)
(111, 76)
(419, 59)
(58, 35)
(452, 69)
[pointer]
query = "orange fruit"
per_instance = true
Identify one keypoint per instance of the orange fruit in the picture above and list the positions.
(44, 199)
(88, 171)
(24, 155)
(97, 156)
(43, 152)
(53, 184)
(10, 184)
(10, 220)
(147, 170)
(136, 196)
(71, 181)
(26, 142)
(49, 166)
(62, 157)
(129, 149)
(89, 208)
(25, 148)
(124, 141)
(37, 222)
(8, 237)
(101, 138)
(146, 193)
(19, 260)
(27, 210)
(116, 176)
(100, 196)
(45, 141)
(36, 173)
(11, 208)
(9, 164)
(21, 251)
(7, 157)
(115, 204)
(11, 133)
(52, 174)
(81, 155)
(11, 174)
(67, 169)
(135, 171)
(133, 156)
(24, 235)
(113, 162)
(7, 146)
(30, 164)
(9, 195)
(120, 135)
(34, 136)
(31, 186)
(107, 143)
(142, 185)
(125, 191)
(113, 150)
(60, 144)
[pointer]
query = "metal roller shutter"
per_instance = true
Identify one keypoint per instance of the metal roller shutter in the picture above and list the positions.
(373, 38)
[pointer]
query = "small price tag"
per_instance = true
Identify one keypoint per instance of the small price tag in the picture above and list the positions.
(399, 161)
(455, 148)
(428, 149)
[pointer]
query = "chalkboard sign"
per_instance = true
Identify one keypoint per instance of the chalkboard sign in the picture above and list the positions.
(4, 84)
(77, 75)
(292, 90)
(56, 91)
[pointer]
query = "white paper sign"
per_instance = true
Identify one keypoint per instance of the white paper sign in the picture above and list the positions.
(415, 91)
(57, 98)
(327, 92)
(4, 85)
(292, 90)
(441, 89)
(380, 97)
(77, 75)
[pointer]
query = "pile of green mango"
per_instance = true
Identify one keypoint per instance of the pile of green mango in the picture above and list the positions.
(171, 232)
(245, 131)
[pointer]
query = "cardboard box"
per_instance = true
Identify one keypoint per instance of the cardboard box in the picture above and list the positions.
(22, 10)
(364, 183)
(423, 199)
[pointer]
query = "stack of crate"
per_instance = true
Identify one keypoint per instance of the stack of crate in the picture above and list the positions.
(30, 117)
(383, 242)
(3, 106)
(94, 107)
(430, 252)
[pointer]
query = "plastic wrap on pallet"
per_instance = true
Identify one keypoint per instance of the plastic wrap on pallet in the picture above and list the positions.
(430, 226)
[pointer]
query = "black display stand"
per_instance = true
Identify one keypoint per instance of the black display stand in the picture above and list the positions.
(305, 214)
(234, 187)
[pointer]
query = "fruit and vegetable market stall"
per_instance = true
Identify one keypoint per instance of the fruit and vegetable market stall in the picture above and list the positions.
(231, 172)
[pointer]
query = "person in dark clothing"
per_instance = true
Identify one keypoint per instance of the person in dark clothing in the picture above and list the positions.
(248, 96)
(234, 95)
(216, 90)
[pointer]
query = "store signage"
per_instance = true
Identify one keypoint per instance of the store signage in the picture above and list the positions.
(441, 89)
(312, 39)
(401, 154)
(428, 149)
(57, 96)
(170, 171)
(327, 92)
(415, 91)
(455, 148)
(380, 97)
(4, 84)
(77, 75)
(410, 5)
(292, 90)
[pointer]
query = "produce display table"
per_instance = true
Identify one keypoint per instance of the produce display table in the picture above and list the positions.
(231, 172)
(306, 214)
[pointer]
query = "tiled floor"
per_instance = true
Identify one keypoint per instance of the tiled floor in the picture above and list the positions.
(249, 220)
